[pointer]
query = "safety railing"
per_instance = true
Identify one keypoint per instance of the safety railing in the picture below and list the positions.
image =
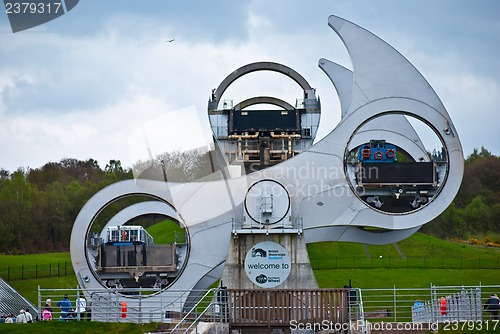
(131, 305)
(241, 226)
(461, 303)
(211, 312)
(356, 310)
(273, 307)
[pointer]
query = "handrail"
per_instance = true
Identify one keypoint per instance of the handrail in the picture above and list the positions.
(361, 320)
(196, 321)
(191, 311)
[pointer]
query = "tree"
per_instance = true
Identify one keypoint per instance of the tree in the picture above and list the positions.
(477, 215)
(55, 217)
(115, 167)
(477, 205)
(178, 166)
(477, 155)
(16, 202)
(450, 223)
(481, 177)
(4, 174)
(39, 206)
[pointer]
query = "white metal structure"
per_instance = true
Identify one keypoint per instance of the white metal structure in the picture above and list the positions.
(279, 135)
(316, 182)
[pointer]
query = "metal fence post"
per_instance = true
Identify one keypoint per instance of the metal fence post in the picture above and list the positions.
(77, 303)
(395, 302)
(39, 302)
(139, 316)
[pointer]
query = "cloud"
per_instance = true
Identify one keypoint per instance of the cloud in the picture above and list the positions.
(471, 96)
(81, 92)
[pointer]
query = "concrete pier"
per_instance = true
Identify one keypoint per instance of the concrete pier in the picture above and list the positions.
(301, 274)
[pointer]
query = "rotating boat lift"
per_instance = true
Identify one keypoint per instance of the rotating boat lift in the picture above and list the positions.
(378, 96)
(257, 139)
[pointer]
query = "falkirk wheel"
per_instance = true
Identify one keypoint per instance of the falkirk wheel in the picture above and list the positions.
(370, 180)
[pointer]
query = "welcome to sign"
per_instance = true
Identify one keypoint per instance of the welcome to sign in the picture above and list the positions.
(267, 264)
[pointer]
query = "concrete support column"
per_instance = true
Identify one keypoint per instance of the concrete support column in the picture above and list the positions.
(301, 275)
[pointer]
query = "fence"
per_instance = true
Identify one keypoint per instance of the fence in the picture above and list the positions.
(282, 307)
(397, 304)
(463, 305)
(109, 305)
(261, 307)
(35, 271)
(238, 308)
(397, 262)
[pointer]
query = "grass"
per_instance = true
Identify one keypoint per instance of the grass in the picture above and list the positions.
(29, 288)
(334, 264)
(165, 232)
(77, 327)
(50, 265)
(423, 245)
(16, 267)
(358, 269)
(29, 260)
(419, 251)
(418, 245)
(404, 278)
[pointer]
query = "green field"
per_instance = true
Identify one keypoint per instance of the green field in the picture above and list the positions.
(417, 262)
(77, 327)
(420, 251)
(167, 232)
(405, 278)
(421, 260)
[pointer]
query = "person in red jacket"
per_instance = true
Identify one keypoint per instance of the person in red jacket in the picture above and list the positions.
(442, 306)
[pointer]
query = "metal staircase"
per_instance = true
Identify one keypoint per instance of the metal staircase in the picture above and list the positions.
(12, 302)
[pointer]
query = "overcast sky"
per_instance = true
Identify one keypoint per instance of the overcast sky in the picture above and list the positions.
(101, 81)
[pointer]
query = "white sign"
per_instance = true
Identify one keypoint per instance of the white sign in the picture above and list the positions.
(267, 264)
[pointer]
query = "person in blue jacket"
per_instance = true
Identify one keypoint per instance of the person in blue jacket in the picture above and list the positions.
(66, 307)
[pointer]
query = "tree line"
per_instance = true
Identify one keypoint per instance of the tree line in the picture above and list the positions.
(39, 206)
(475, 211)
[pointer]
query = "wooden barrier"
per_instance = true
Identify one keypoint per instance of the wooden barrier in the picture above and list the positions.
(277, 308)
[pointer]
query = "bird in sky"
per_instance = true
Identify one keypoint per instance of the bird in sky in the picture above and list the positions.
(170, 40)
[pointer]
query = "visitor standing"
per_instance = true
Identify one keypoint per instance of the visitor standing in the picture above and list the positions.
(81, 306)
(493, 306)
(29, 317)
(65, 305)
(21, 318)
